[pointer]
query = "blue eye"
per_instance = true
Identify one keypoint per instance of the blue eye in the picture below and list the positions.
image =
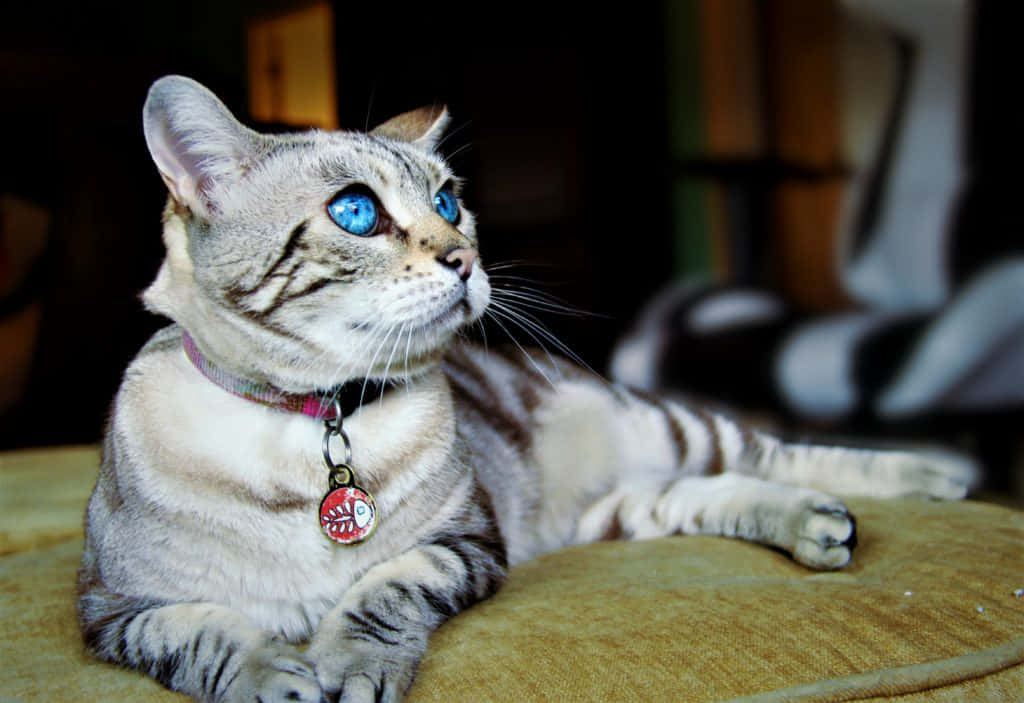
(446, 204)
(354, 212)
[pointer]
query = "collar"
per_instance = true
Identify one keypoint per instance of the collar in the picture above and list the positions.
(318, 404)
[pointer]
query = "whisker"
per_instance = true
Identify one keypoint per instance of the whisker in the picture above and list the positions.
(373, 360)
(452, 133)
(391, 356)
(458, 151)
(516, 263)
(541, 301)
(505, 280)
(408, 346)
(528, 322)
(369, 106)
(510, 316)
(483, 334)
(491, 313)
(507, 277)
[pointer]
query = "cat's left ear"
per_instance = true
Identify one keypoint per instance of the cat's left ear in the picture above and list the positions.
(422, 127)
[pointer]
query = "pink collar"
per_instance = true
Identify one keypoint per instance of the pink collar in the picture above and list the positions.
(319, 404)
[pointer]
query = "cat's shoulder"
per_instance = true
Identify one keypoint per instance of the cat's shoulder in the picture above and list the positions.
(164, 340)
(156, 354)
(160, 367)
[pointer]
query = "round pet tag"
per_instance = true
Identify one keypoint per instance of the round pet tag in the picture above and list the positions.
(348, 515)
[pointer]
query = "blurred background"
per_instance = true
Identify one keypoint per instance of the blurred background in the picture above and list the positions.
(804, 208)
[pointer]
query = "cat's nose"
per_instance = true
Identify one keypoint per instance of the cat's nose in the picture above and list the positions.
(461, 260)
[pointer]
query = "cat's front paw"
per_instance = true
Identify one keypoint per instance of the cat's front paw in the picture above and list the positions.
(275, 673)
(826, 534)
(366, 674)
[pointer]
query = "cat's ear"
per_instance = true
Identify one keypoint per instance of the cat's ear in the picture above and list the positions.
(195, 141)
(422, 127)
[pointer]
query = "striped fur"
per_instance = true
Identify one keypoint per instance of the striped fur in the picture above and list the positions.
(204, 565)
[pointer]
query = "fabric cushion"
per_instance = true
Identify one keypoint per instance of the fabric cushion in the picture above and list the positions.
(927, 608)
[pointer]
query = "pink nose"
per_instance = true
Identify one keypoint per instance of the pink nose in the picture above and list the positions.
(461, 260)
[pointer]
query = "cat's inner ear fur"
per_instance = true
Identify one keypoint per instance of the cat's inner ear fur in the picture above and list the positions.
(422, 127)
(197, 144)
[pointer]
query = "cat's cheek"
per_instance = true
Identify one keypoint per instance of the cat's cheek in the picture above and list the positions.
(478, 294)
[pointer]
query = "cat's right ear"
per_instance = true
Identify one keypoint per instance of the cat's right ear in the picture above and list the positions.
(422, 127)
(195, 141)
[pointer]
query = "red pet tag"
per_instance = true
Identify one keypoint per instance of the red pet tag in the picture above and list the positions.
(347, 513)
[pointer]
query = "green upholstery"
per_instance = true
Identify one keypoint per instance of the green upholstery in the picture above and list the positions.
(926, 609)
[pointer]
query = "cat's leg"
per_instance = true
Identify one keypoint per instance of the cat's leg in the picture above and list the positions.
(369, 646)
(207, 651)
(600, 449)
(814, 527)
(711, 443)
(686, 470)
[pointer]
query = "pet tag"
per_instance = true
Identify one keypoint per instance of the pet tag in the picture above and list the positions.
(347, 513)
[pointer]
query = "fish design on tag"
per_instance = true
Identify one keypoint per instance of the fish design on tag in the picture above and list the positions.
(348, 515)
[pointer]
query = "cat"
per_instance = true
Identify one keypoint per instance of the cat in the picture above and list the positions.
(308, 455)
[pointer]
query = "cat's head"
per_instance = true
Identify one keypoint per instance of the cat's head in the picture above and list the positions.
(308, 259)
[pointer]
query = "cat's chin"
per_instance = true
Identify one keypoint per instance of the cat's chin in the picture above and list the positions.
(447, 322)
(400, 371)
(412, 353)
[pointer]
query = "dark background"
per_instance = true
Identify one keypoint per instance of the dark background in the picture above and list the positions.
(559, 128)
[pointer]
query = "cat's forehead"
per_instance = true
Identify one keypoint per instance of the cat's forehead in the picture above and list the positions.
(344, 158)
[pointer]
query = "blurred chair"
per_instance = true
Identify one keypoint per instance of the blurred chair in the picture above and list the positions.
(931, 338)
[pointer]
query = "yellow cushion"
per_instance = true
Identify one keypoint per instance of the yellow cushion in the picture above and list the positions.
(926, 609)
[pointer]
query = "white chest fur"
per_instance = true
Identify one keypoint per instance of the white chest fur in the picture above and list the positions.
(235, 488)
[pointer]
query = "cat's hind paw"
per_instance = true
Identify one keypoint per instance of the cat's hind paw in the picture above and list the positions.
(947, 475)
(935, 473)
(826, 535)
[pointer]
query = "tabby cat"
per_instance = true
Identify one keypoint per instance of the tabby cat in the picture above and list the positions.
(307, 455)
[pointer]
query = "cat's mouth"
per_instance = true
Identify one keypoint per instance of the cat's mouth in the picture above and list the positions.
(430, 325)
